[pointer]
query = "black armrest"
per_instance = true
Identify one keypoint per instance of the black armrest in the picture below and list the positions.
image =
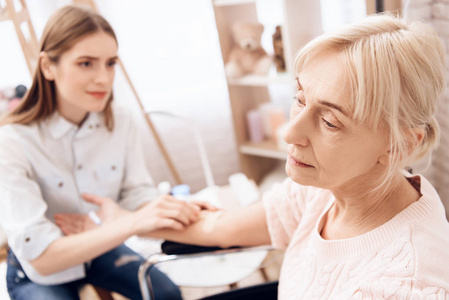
(169, 247)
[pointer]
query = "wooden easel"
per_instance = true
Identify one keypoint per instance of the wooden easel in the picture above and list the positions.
(18, 17)
(30, 49)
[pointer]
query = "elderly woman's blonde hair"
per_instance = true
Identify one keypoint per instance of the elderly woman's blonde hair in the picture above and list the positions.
(396, 73)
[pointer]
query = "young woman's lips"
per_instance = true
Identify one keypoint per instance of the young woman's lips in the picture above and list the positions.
(98, 95)
(295, 162)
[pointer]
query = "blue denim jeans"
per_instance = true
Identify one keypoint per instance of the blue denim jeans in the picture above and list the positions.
(115, 271)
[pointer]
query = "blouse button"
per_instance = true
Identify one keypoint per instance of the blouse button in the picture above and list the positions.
(27, 239)
(61, 184)
(97, 125)
(80, 167)
(113, 168)
(90, 127)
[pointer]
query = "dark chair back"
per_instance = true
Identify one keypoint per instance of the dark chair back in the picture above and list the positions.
(264, 291)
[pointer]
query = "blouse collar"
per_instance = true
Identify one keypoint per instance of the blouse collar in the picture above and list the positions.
(60, 126)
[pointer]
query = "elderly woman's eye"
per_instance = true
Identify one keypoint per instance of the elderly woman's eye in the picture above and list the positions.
(298, 101)
(329, 124)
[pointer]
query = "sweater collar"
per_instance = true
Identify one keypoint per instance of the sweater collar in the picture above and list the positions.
(428, 205)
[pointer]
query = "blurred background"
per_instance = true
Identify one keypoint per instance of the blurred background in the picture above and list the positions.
(171, 50)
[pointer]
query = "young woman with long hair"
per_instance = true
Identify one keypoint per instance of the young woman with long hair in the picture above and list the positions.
(59, 149)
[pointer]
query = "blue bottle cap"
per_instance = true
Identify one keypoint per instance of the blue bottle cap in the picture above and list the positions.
(181, 190)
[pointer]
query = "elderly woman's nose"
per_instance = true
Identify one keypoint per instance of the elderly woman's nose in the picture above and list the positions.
(298, 130)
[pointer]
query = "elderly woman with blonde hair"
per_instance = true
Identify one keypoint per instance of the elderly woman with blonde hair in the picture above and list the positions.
(353, 222)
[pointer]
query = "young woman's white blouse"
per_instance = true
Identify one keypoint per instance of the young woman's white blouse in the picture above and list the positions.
(44, 169)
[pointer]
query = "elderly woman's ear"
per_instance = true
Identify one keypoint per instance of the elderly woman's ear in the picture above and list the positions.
(417, 136)
(384, 159)
(413, 137)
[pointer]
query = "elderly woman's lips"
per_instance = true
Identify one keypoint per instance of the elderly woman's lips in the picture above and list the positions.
(295, 162)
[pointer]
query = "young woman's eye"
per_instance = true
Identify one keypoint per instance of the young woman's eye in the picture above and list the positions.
(112, 63)
(329, 124)
(85, 64)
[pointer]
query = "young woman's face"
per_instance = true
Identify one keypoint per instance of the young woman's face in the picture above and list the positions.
(84, 75)
(327, 148)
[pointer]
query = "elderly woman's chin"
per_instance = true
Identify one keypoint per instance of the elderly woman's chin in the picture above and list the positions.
(302, 176)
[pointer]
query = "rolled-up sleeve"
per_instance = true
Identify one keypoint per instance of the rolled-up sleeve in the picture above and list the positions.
(22, 213)
(138, 186)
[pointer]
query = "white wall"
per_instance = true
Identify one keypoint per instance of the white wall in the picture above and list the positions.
(171, 51)
(436, 14)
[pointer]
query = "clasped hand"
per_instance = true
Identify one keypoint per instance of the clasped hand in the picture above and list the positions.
(165, 212)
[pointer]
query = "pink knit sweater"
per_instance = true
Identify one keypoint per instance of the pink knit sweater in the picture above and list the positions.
(405, 258)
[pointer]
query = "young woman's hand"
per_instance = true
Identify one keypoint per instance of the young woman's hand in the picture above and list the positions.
(76, 223)
(167, 212)
(109, 209)
(205, 205)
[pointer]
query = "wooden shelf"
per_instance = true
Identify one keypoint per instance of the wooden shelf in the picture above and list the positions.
(265, 149)
(231, 2)
(301, 21)
(257, 80)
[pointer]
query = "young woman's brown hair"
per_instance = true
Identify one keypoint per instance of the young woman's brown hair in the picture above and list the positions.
(63, 30)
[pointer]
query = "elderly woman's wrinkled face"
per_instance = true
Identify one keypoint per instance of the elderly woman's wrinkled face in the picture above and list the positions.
(327, 148)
